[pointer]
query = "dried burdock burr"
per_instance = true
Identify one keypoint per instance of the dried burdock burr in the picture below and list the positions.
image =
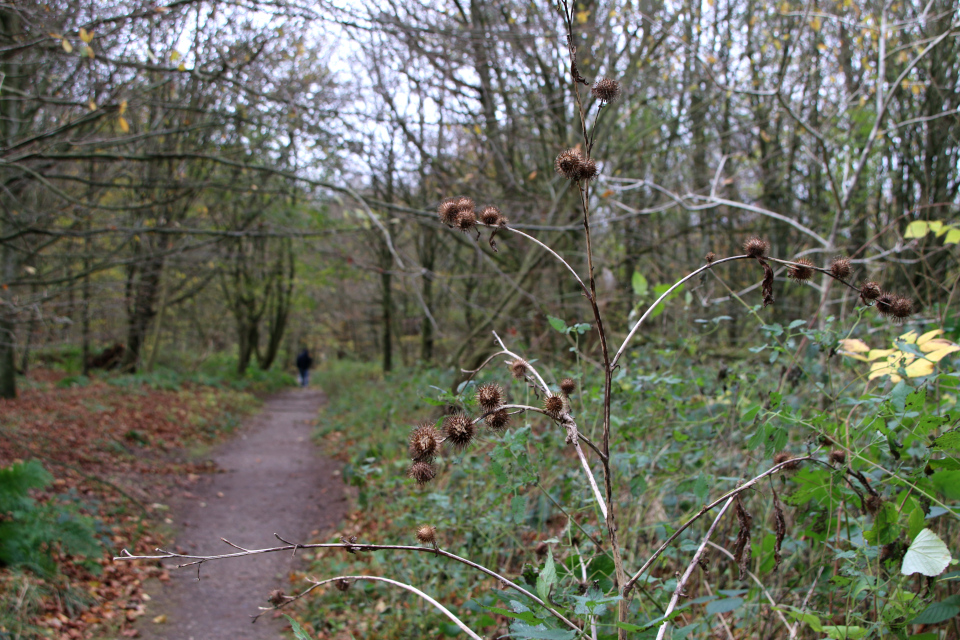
(901, 308)
(568, 163)
(840, 268)
(518, 368)
(606, 90)
(489, 396)
(873, 503)
(422, 472)
(424, 442)
(884, 304)
(838, 457)
(498, 420)
(568, 386)
(277, 597)
(448, 211)
(427, 534)
(459, 430)
(801, 271)
(785, 456)
(710, 257)
(466, 219)
(588, 169)
(342, 584)
(492, 216)
(870, 291)
(756, 247)
(553, 405)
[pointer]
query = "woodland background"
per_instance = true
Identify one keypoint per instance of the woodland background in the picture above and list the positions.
(191, 191)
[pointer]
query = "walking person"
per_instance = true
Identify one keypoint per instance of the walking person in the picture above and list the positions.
(304, 362)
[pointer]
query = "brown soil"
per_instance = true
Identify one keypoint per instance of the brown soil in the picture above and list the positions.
(273, 482)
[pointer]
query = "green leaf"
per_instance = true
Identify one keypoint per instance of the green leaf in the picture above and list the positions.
(547, 577)
(521, 631)
(949, 441)
(518, 509)
(526, 616)
(640, 284)
(947, 483)
(701, 488)
(938, 612)
(953, 237)
(557, 324)
(298, 631)
(808, 618)
(723, 606)
(915, 522)
(843, 632)
(916, 229)
(885, 523)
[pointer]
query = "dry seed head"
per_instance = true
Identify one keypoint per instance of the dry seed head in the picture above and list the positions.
(277, 597)
(838, 456)
(840, 268)
(342, 584)
(588, 169)
(568, 163)
(553, 405)
(466, 219)
(490, 396)
(498, 420)
(902, 308)
(427, 534)
(568, 386)
(424, 442)
(492, 216)
(756, 247)
(801, 271)
(518, 368)
(422, 472)
(870, 291)
(785, 456)
(885, 303)
(710, 257)
(606, 90)
(459, 430)
(873, 503)
(448, 211)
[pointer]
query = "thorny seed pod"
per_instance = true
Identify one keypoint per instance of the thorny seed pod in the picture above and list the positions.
(448, 211)
(568, 386)
(588, 169)
(518, 368)
(785, 456)
(606, 90)
(459, 429)
(901, 308)
(870, 291)
(840, 268)
(498, 420)
(873, 503)
(801, 271)
(427, 534)
(342, 584)
(838, 457)
(422, 472)
(490, 396)
(756, 247)
(553, 405)
(885, 303)
(492, 216)
(277, 597)
(466, 219)
(424, 442)
(568, 164)
(710, 257)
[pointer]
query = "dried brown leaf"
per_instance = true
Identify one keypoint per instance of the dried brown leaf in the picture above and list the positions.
(779, 527)
(742, 550)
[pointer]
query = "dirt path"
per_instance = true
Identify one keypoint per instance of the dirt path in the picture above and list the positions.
(274, 481)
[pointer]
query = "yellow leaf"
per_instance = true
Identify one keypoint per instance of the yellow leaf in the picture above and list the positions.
(477, 130)
(815, 24)
(953, 237)
(711, 59)
(88, 51)
(935, 226)
(532, 176)
(160, 619)
(916, 229)
(124, 125)
(174, 55)
(919, 368)
(583, 16)
(916, 89)
(123, 107)
(855, 345)
(940, 354)
(753, 19)
(66, 46)
(902, 57)
(880, 369)
(880, 353)
(181, 67)
(92, 105)
(822, 47)
(910, 337)
(929, 335)
(766, 136)
(86, 36)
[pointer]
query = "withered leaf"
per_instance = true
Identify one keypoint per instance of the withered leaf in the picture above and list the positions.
(779, 527)
(742, 550)
(767, 285)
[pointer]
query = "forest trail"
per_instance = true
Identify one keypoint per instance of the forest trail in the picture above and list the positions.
(274, 480)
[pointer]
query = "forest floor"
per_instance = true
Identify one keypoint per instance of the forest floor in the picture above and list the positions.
(177, 468)
(272, 482)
